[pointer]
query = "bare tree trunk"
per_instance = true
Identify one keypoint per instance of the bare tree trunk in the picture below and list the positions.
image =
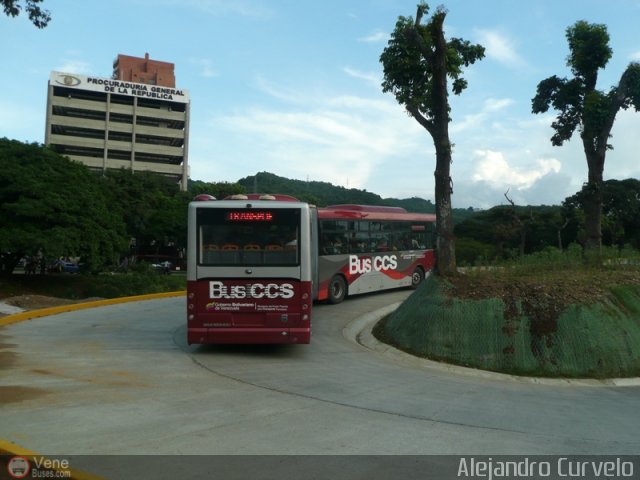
(522, 226)
(445, 244)
(446, 253)
(592, 216)
(523, 241)
(593, 201)
(559, 230)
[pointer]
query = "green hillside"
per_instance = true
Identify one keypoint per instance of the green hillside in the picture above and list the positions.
(324, 193)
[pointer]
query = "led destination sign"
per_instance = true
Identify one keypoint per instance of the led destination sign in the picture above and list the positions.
(246, 216)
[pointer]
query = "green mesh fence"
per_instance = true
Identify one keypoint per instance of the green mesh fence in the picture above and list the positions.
(600, 340)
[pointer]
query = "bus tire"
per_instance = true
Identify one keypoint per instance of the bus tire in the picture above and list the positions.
(337, 289)
(417, 277)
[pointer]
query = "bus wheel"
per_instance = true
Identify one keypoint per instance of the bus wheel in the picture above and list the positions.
(337, 289)
(417, 277)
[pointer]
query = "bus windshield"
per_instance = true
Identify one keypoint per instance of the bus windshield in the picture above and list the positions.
(243, 237)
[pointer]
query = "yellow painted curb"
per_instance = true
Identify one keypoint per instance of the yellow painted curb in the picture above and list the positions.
(44, 312)
(11, 449)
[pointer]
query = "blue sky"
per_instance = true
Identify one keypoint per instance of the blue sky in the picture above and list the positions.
(292, 87)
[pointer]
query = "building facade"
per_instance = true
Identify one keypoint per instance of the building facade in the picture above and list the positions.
(108, 123)
(144, 70)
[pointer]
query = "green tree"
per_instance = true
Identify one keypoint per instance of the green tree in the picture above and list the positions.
(581, 106)
(417, 62)
(511, 229)
(219, 190)
(620, 212)
(38, 16)
(152, 208)
(51, 204)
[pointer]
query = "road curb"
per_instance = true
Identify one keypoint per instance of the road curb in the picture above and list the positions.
(359, 331)
(44, 312)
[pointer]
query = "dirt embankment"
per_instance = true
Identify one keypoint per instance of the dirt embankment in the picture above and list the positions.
(542, 298)
(35, 302)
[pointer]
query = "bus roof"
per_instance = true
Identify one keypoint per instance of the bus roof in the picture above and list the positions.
(262, 196)
(371, 212)
(367, 208)
(204, 197)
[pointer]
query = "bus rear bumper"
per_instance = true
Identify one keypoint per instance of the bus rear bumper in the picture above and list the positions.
(248, 336)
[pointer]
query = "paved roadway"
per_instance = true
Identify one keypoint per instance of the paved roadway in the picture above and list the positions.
(121, 380)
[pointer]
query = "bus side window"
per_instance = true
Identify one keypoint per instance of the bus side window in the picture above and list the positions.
(332, 237)
(332, 245)
(418, 241)
(325, 244)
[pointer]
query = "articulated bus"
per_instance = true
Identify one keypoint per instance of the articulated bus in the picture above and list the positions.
(256, 263)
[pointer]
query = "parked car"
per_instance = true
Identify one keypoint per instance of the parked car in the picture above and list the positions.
(163, 267)
(63, 266)
(160, 263)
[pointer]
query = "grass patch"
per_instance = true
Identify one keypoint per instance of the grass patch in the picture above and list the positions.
(77, 287)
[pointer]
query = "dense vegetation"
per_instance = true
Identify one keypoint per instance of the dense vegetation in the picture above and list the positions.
(49, 204)
(324, 193)
(82, 287)
(52, 205)
(508, 231)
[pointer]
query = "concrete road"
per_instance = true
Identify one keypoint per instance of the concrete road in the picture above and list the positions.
(121, 380)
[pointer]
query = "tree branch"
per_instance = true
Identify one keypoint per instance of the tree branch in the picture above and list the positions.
(422, 120)
(506, 195)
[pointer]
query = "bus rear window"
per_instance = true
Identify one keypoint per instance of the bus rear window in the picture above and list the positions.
(248, 237)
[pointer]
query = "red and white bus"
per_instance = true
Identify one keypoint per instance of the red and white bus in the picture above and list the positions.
(369, 248)
(255, 263)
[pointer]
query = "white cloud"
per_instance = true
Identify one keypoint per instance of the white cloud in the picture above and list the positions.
(476, 120)
(338, 139)
(493, 168)
(483, 194)
(635, 56)
(500, 48)
(328, 144)
(495, 104)
(279, 92)
(75, 66)
(370, 77)
(624, 160)
(205, 65)
(376, 37)
(246, 8)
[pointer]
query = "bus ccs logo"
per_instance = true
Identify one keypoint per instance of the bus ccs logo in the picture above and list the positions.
(366, 265)
(253, 290)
